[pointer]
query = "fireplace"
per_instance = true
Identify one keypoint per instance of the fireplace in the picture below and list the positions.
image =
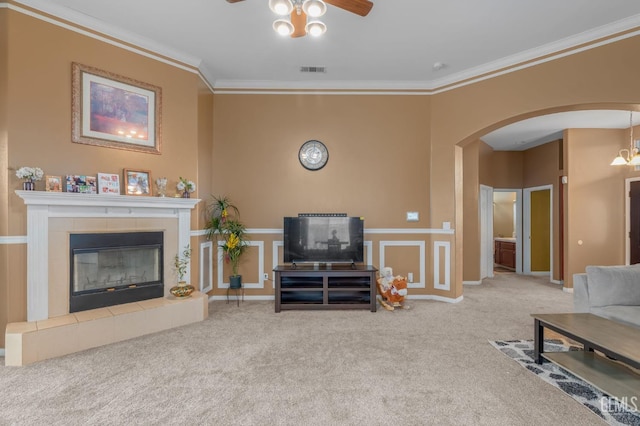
(113, 268)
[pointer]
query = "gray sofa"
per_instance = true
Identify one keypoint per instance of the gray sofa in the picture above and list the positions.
(611, 292)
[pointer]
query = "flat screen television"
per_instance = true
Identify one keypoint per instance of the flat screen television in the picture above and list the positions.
(323, 239)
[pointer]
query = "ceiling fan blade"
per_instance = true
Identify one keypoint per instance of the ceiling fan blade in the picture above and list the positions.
(299, 22)
(233, 1)
(359, 7)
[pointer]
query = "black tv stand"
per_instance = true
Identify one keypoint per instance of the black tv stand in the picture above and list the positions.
(321, 287)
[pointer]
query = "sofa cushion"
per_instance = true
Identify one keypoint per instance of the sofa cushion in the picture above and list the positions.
(629, 315)
(613, 285)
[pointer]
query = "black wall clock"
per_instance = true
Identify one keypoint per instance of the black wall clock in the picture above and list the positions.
(313, 155)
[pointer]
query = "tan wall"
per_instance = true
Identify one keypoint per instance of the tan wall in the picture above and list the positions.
(37, 57)
(377, 171)
(596, 201)
(4, 164)
(583, 80)
(471, 219)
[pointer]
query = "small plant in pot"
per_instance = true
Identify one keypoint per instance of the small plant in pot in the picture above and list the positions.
(180, 263)
(223, 223)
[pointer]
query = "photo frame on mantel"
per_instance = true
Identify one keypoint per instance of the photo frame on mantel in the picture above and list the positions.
(137, 182)
(113, 111)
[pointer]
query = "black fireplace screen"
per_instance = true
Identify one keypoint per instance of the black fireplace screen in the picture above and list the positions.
(114, 268)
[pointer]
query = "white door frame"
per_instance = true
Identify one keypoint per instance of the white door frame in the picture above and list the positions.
(517, 225)
(526, 228)
(486, 231)
(627, 218)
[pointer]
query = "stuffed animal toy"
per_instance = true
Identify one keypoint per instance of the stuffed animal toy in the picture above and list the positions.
(392, 290)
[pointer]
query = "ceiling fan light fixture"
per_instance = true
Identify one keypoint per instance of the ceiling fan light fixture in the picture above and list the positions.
(632, 154)
(315, 28)
(314, 8)
(619, 160)
(283, 27)
(281, 7)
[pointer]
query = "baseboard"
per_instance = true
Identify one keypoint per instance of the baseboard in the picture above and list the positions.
(567, 290)
(434, 297)
(414, 297)
(559, 282)
(471, 282)
(233, 297)
(540, 273)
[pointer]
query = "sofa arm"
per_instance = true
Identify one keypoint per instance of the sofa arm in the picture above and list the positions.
(580, 293)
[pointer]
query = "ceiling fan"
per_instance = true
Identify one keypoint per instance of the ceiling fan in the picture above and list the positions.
(298, 26)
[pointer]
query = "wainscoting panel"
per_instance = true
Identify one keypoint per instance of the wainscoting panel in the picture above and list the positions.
(420, 245)
(260, 283)
(442, 248)
(206, 266)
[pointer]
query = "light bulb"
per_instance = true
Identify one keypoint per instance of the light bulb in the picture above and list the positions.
(314, 8)
(283, 27)
(281, 7)
(315, 28)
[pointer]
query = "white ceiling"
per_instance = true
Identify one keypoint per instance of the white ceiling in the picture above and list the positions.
(393, 48)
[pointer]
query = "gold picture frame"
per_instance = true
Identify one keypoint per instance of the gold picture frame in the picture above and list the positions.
(53, 183)
(113, 111)
(137, 182)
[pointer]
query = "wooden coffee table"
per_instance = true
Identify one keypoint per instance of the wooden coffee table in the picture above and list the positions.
(618, 341)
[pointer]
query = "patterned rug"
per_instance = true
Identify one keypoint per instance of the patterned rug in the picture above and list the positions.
(609, 409)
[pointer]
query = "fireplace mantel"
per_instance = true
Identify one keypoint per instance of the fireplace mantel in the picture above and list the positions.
(41, 206)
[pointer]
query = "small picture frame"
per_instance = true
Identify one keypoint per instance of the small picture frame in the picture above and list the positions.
(53, 183)
(108, 184)
(81, 184)
(137, 182)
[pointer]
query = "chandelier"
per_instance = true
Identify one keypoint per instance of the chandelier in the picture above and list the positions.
(293, 17)
(631, 156)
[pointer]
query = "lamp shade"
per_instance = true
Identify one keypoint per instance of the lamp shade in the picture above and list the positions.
(283, 27)
(619, 161)
(314, 8)
(315, 28)
(635, 160)
(281, 7)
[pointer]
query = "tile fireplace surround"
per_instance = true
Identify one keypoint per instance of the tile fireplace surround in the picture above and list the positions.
(51, 217)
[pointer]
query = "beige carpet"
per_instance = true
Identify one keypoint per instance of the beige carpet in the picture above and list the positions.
(431, 364)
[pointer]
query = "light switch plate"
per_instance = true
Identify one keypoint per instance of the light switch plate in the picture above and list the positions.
(413, 216)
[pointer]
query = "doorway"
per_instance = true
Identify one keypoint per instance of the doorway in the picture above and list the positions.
(508, 226)
(633, 221)
(507, 229)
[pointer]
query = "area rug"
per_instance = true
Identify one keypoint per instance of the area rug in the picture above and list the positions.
(606, 407)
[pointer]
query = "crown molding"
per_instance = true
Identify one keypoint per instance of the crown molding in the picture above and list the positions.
(94, 28)
(87, 25)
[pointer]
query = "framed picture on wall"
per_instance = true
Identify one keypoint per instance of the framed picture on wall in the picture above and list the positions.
(137, 182)
(114, 111)
(53, 183)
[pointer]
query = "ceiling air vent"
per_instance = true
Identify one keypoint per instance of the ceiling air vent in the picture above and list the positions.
(314, 69)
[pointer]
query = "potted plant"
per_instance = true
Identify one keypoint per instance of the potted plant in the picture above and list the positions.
(223, 223)
(180, 263)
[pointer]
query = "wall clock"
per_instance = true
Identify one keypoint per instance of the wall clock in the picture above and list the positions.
(313, 155)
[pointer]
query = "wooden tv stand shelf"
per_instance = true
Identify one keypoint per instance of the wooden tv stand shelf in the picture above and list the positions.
(325, 287)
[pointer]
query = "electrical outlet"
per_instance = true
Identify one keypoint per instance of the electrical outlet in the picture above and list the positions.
(410, 277)
(266, 276)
